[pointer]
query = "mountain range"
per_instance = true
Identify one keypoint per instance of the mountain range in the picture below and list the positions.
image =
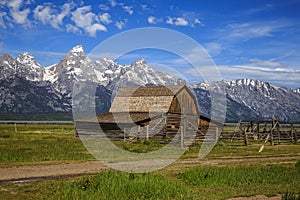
(30, 88)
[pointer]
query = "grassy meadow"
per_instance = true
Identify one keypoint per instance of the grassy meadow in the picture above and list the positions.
(194, 183)
(40, 143)
(43, 144)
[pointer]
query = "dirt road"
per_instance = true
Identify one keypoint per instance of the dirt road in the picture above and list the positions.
(91, 167)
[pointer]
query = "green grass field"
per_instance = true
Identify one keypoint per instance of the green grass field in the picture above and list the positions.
(44, 144)
(56, 143)
(195, 183)
(40, 143)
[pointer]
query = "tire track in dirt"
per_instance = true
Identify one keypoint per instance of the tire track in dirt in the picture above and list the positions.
(58, 171)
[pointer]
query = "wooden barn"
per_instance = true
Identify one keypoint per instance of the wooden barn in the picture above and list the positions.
(158, 111)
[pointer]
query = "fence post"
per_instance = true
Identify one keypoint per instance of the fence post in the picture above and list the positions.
(124, 135)
(217, 133)
(138, 131)
(294, 133)
(271, 133)
(16, 130)
(245, 139)
(181, 136)
(241, 129)
(147, 132)
(265, 128)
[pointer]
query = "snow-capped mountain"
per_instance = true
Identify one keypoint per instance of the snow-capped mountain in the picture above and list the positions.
(259, 99)
(8, 66)
(59, 78)
(297, 90)
(29, 68)
(77, 67)
(140, 73)
(28, 87)
(23, 66)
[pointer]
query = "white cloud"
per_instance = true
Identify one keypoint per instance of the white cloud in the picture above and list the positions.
(259, 9)
(266, 63)
(82, 17)
(73, 29)
(186, 19)
(240, 30)
(65, 11)
(250, 30)
(49, 15)
(105, 18)
(113, 3)
(153, 20)
(104, 7)
(92, 30)
(197, 21)
(179, 21)
(42, 14)
(120, 24)
(128, 9)
(2, 15)
(144, 6)
(87, 20)
(19, 16)
(169, 20)
(213, 48)
(257, 69)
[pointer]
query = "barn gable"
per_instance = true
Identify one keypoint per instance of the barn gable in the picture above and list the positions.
(145, 99)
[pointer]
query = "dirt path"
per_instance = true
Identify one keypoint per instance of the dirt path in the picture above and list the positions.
(258, 197)
(92, 167)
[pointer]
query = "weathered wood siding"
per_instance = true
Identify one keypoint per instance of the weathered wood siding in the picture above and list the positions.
(141, 104)
(184, 103)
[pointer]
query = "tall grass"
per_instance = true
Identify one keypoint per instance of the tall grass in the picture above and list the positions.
(195, 183)
(234, 176)
(117, 185)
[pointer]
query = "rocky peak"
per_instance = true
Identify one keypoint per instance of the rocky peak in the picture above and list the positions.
(138, 62)
(77, 49)
(8, 66)
(141, 66)
(8, 62)
(245, 82)
(75, 57)
(25, 58)
(6, 57)
(107, 61)
(28, 60)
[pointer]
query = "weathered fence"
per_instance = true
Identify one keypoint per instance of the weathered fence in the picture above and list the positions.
(263, 131)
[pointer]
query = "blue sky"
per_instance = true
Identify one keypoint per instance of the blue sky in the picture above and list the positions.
(256, 39)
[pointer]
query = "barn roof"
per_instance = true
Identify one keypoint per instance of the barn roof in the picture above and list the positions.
(149, 91)
(144, 99)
